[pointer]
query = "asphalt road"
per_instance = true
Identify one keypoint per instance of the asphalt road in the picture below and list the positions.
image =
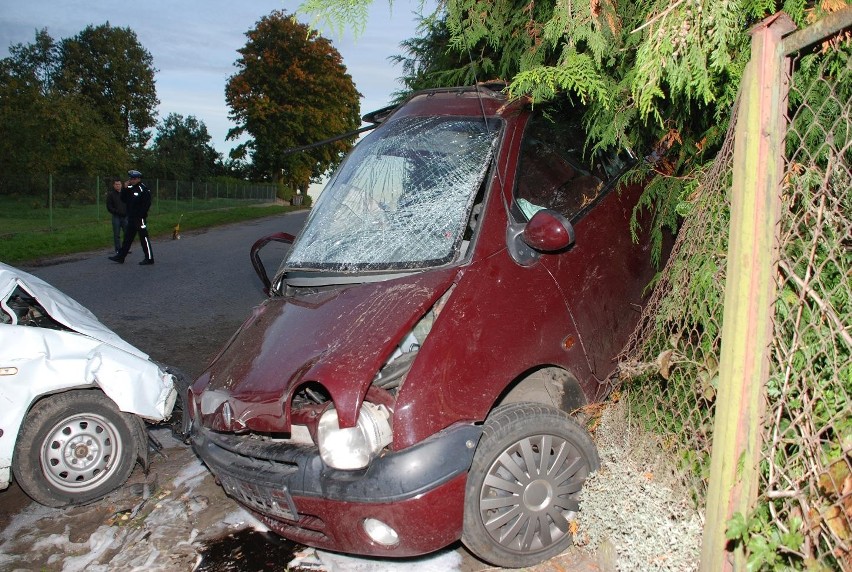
(185, 307)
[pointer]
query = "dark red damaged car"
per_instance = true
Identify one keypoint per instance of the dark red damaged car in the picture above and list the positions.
(461, 286)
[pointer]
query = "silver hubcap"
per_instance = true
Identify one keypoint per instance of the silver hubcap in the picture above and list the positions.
(531, 493)
(79, 452)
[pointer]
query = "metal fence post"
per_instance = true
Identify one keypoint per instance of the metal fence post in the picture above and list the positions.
(749, 292)
(50, 199)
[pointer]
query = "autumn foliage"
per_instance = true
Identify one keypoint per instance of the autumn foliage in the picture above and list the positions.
(291, 89)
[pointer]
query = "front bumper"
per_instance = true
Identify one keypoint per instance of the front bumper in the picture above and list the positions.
(419, 492)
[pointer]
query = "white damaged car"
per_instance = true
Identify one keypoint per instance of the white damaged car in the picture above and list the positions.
(74, 396)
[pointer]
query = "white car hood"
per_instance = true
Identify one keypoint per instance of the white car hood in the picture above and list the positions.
(62, 308)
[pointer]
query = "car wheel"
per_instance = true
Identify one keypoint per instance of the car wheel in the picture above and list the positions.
(74, 448)
(524, 484)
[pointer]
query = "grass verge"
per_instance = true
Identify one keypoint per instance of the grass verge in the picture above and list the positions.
(30, 246)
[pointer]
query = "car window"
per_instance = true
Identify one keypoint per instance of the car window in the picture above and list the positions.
(554, 173)
(401, 199)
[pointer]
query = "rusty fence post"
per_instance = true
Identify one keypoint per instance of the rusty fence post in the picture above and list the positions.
(749, 291)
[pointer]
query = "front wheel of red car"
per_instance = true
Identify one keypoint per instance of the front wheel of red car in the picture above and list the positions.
(74, 448)
(524, 485)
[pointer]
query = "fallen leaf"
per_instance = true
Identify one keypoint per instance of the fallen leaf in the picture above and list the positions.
(664, 361)
(837, 520)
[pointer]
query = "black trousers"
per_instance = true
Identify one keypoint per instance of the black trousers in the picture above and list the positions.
(134, 226)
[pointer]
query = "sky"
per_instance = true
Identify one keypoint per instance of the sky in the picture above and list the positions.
(194, 45)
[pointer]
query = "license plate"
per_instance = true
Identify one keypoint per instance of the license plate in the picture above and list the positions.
(272, 501)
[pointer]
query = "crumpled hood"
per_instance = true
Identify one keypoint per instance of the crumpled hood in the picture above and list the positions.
(338, 338)
(62, 308)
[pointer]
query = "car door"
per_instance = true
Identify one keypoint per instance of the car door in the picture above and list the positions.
(602, 276)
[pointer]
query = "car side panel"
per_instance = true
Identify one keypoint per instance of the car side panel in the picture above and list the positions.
(603, 278)
(501, 320)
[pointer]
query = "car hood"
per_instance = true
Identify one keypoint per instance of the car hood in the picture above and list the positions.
(338, 338)
(62, 308)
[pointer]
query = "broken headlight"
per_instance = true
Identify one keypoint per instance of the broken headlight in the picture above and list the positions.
(354, 447)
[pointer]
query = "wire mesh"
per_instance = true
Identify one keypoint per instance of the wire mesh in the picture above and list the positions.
(807, 461)
(36, 203)
(669, 368)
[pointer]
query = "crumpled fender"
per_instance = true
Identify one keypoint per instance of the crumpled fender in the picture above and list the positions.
(137, 386)
(38, 362)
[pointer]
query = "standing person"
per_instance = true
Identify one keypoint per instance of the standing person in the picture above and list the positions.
(137, 197)
(118, 210)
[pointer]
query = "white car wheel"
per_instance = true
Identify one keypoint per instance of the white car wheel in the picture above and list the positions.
(74, 448)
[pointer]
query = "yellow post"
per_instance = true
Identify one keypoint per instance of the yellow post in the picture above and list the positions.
(749, 291)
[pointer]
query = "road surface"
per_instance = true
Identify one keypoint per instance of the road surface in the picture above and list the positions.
(185, 306)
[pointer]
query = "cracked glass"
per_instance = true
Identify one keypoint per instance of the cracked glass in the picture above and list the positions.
(402, 198)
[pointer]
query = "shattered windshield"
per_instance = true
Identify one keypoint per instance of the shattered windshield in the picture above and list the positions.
(401, 199)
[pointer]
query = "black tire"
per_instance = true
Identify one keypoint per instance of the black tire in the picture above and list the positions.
(519, 503)
(74, 448)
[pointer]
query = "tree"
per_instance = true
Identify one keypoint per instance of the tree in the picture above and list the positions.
(233, 169)
(74, 107)
(52, 134)
(429, 62)
(115, 73)
(291, 89)
(45, 131)
(33, 66)
(60, 134)
(658, 77)
(182, 149)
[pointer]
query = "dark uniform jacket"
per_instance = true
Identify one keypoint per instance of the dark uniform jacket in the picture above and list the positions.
(138, 200)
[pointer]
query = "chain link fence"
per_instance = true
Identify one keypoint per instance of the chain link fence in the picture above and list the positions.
(806, 477)
(36, 203)
(670, 369)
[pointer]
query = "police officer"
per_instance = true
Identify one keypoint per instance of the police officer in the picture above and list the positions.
(137, 197)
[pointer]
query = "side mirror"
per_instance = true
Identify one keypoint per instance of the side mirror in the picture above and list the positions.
(257, 263)
(547, 231)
